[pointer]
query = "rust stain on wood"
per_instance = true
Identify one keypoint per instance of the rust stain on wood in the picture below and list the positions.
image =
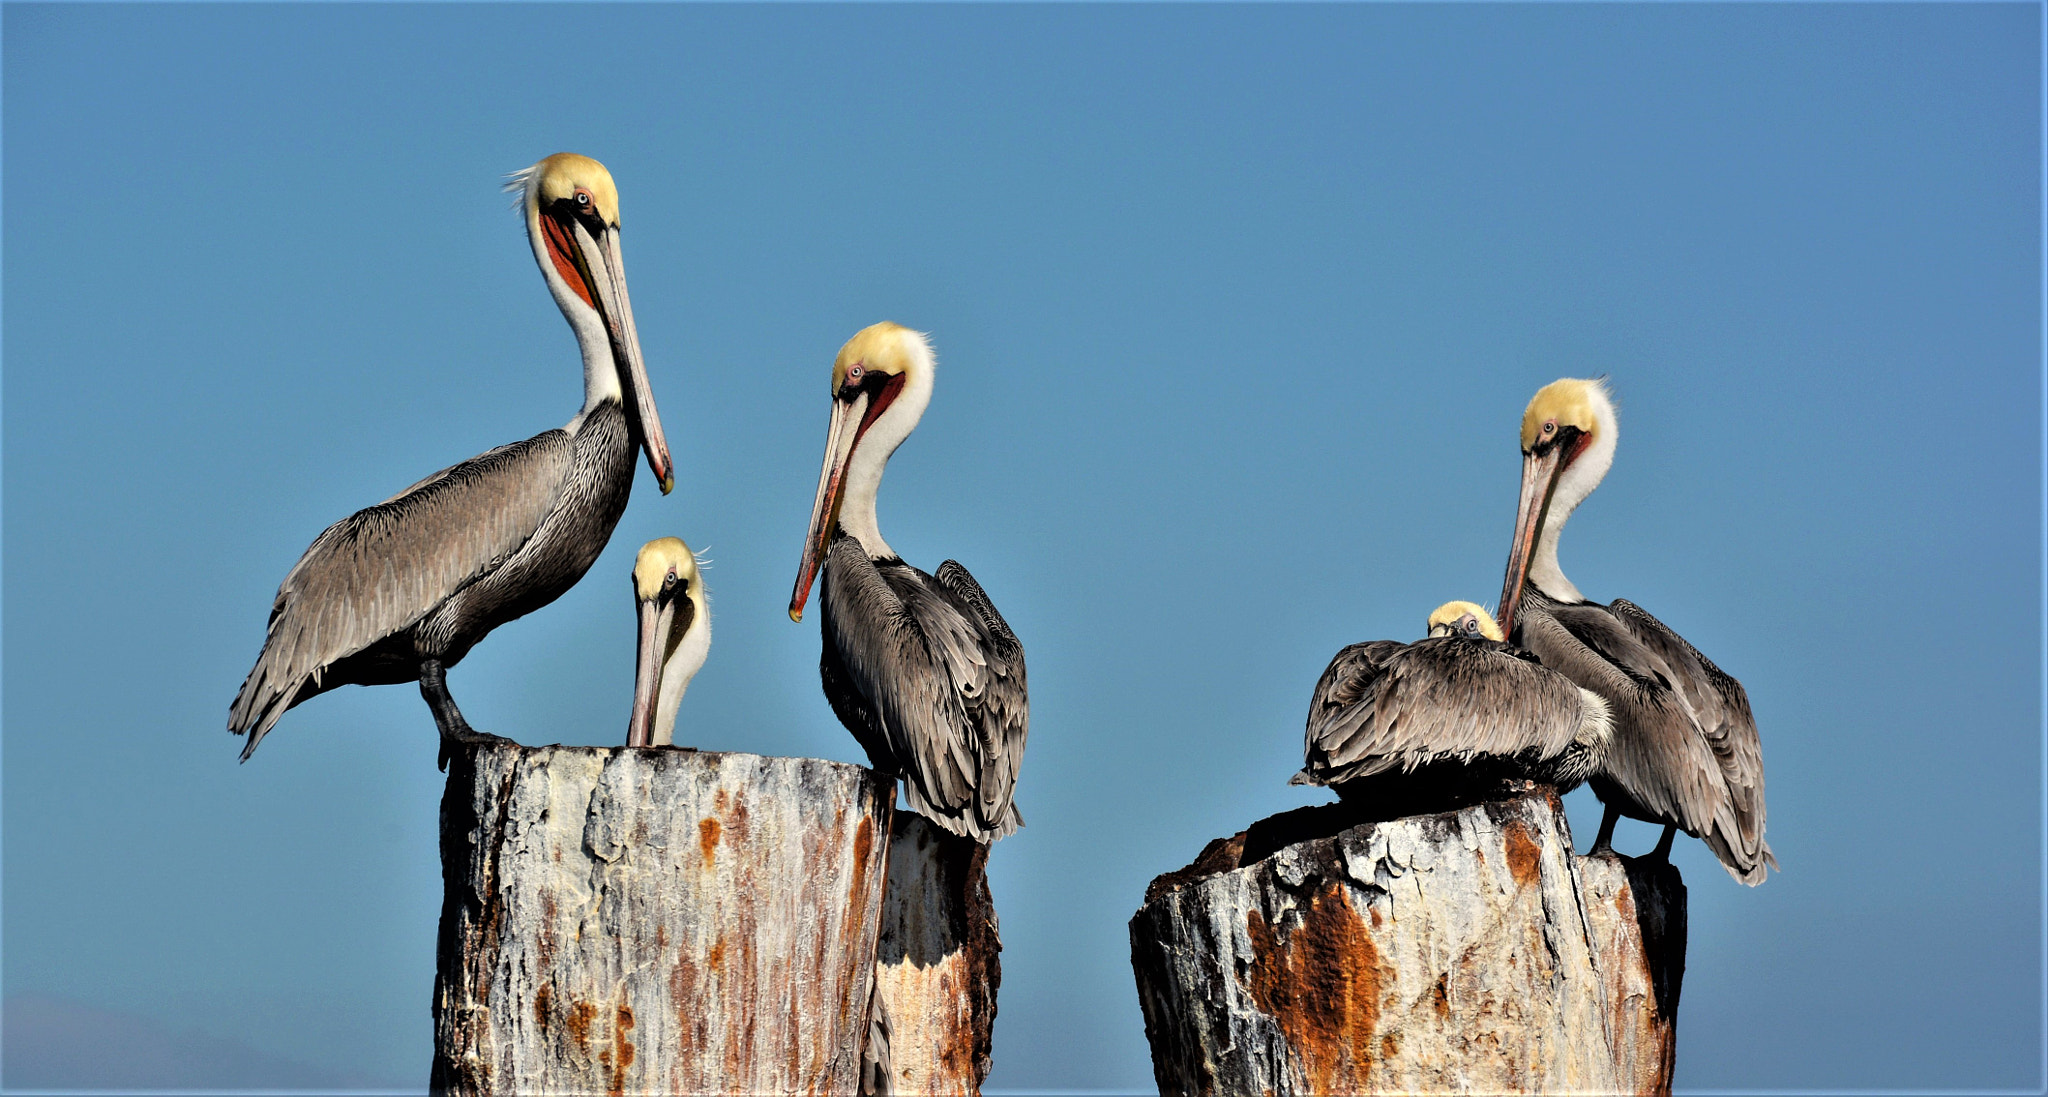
(863, 845)
(707, 839)
(545, 947)
(541, 1000)
(683, 991)
(1323, 984)
(1524, 855)
(619, 1056)
(580, 1016)
(737, 823)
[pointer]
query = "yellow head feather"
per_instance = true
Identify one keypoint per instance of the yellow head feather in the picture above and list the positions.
(1568, 401)
(561, 175)
(1447, 615)
(657, 559)
(885, 347)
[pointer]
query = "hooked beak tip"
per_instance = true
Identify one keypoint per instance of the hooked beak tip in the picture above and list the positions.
(796, 613)
(668, 483)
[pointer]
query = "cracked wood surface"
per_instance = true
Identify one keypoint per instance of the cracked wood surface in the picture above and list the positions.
(1463, 952)
(655, 921)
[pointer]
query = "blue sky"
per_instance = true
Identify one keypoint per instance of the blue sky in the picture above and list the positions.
(1236, 308)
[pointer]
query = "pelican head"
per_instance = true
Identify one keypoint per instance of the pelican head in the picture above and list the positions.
(881, 382)
(572, 221)
(1465, 619)
(675, 635)
(1568, 436)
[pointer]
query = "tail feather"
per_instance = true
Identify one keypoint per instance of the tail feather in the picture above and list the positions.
(1751, 870)
(261, 702)
(967, 824)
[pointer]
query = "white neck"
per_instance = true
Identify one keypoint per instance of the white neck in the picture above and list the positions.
(683, 665)
(600, 372)
(1577, 482)
(871, 454)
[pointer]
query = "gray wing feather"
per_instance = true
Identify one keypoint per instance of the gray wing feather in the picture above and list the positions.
(946, 690)
(380, 570)
(1662, 755)
(1719, 707)
(998, 705)
(1382, 706)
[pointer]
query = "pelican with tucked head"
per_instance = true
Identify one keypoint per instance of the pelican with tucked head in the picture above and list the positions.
(919, 667)
(1468, 620)
(675, 636)
(1447, 714)
(401, 591)
(1685, 750)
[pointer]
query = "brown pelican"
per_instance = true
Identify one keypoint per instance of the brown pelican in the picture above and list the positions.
(1685, 750)
(400, 591)
(921, 668)
(675, 635)
(1460, 705)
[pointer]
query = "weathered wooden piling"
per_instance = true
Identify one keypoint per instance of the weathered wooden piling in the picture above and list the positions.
(937, 965)
(656, 921)
(1469, 952)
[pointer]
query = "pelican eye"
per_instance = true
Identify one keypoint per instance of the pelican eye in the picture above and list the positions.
(583, 198)
(854, 373)
(1550, 427)
(669, 580)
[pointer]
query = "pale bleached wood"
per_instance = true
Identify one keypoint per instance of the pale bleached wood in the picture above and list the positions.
(655, 920)
(1462, 952)
(937, 964)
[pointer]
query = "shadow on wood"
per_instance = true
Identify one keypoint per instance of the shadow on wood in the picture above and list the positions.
(655, 920)
(1323, 951)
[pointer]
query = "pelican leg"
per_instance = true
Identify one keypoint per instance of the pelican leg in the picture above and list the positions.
(1663, 850)
(454, 729)
(1604, 843)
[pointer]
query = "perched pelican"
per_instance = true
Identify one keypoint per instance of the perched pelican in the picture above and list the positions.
(1685, 750)
(675, 635)
(400, 591)
(921, 668)
(1460, 704)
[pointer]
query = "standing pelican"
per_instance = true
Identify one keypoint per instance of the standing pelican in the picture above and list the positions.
(1461, 704)
(400, 591)
(675, 636)
(921, 668)
(1685, 750)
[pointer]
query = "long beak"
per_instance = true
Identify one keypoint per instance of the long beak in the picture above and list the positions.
(654, 626)
(1539, 480)
(846, 418)
(617, 309)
